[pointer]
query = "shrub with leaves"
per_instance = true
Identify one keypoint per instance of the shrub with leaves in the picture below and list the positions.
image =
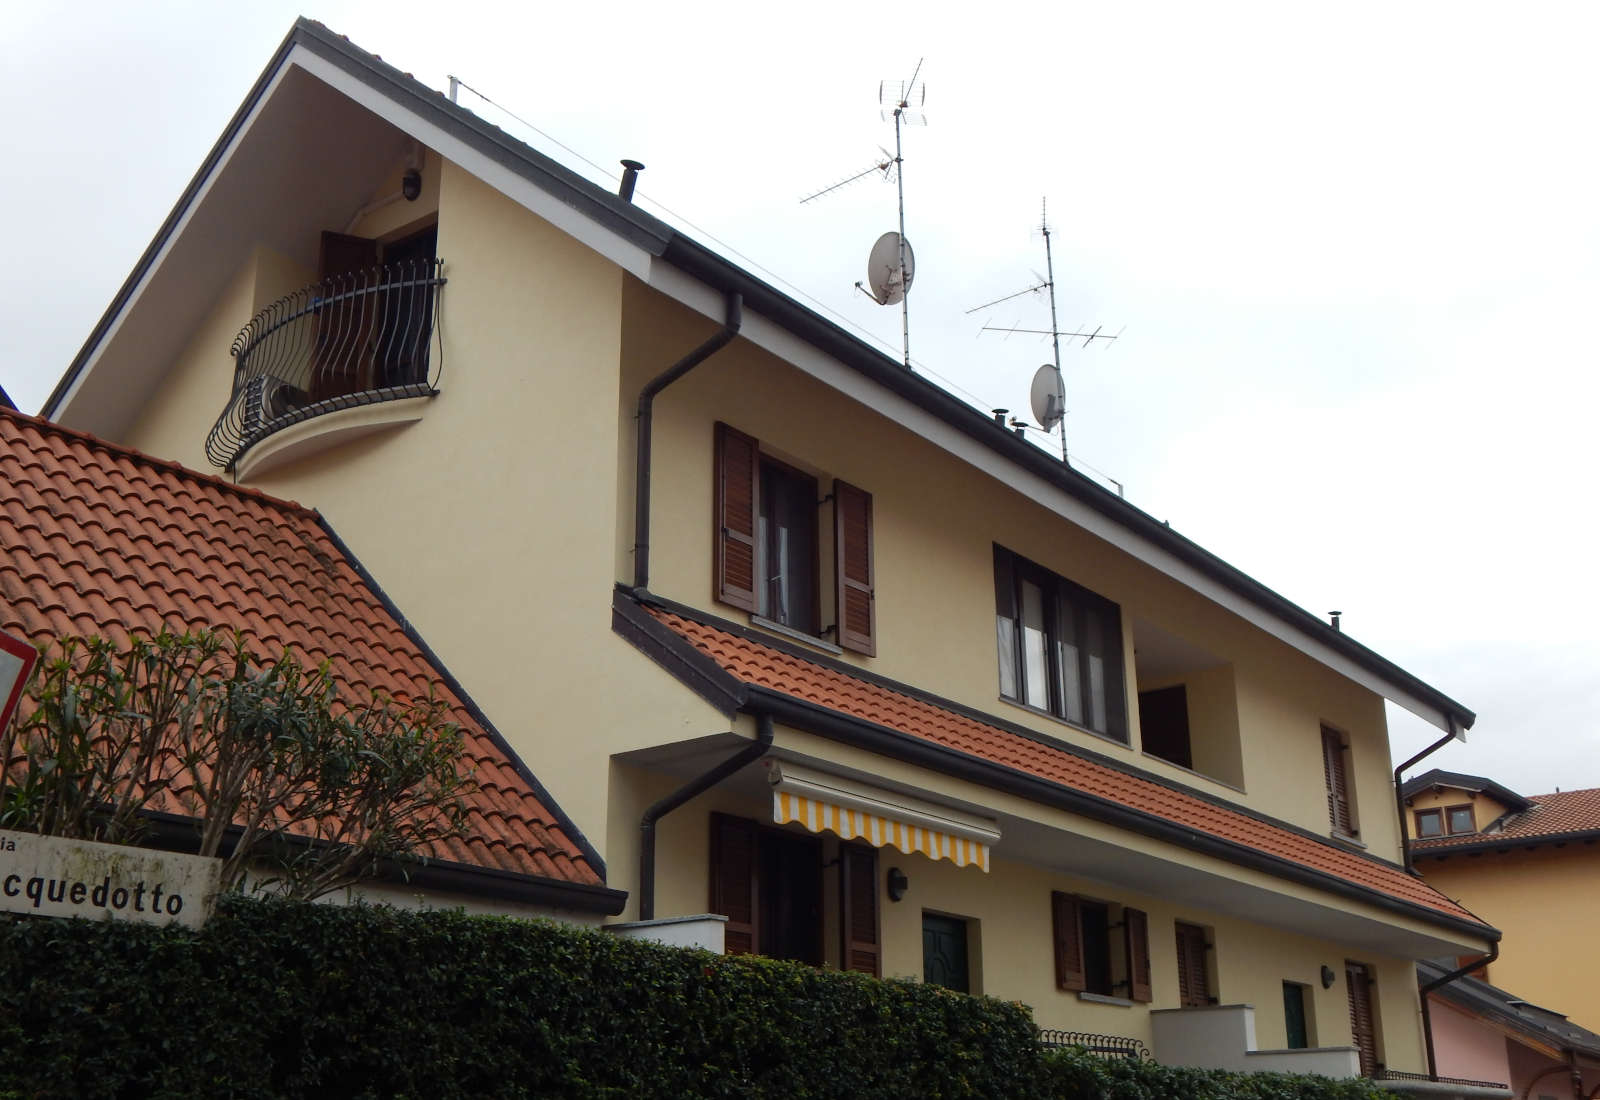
(287, 781)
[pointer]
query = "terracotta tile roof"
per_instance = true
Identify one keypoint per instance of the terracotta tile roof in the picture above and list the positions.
(1551, 817)
(101, 539)
(752, 662)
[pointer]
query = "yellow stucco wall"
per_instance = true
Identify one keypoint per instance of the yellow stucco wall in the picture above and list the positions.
(1544, 901)
(481, 519)
(935, 523)
(1010, 937)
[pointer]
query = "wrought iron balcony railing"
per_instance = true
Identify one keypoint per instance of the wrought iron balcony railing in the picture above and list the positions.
(349, 340)
(1107, 1046)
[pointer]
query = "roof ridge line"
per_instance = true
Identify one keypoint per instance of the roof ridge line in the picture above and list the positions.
(146, 459)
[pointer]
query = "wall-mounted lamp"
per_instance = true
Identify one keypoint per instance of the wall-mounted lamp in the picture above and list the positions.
(898, 884)
(411, 184)
(1327, 977)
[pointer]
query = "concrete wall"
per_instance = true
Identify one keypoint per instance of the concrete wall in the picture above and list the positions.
(1224, 1037)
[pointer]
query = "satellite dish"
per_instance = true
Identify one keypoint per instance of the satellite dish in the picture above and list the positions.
(1048, 396)
(883, 269)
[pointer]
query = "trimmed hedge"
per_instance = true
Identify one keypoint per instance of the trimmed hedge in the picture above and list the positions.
(281, 999)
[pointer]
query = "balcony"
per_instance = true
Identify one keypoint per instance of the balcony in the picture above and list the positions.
(313, 368)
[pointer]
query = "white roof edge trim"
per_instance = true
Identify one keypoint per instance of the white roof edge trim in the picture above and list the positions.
(849, 794)
(519, 189)
(60, 411)
(784, 344)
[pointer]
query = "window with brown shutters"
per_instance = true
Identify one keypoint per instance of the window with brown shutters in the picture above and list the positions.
(1363, 1024)
(1087, 955)
(1336, 777)
(1068, 929)
(862, 949)
(852, 529)
(1136, 949)
(1194, 983)
(767, 559)
(738, 467)
(733, 880)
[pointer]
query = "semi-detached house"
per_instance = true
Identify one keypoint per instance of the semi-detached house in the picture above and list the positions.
(793, 636)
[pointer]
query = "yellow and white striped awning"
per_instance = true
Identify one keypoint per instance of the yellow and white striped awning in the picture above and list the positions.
(881, 818)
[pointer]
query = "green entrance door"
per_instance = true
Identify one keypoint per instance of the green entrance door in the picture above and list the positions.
(944, 952)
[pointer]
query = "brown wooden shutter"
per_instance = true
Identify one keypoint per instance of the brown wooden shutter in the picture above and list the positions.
(738, 468)
(858, 903)
(342, 360)
(852, 536)
(1194, 986)
(733, 880)
(1067, 919)
(1136, 950)
(1333, 771)
(1363, 1029)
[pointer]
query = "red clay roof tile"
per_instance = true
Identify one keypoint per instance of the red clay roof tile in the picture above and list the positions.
(753, 662)
(106, 540)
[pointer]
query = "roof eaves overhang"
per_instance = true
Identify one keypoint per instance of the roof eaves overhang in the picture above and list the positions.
(914, 750)
(1309, 633)
(626, 221)
(1504, 844)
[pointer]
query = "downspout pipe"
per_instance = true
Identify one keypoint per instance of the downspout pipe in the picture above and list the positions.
(1422, 995)
(1399, 795)
(647, 397)
(662, 807)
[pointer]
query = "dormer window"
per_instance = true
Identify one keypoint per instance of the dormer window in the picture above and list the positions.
(1445, 821)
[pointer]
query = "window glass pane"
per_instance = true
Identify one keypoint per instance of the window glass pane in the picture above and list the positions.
(1429, 824)
(1070, 663)
(1461, 820)
(1006, 641)
(1034, 669)
(788, 534)
(1094, 644)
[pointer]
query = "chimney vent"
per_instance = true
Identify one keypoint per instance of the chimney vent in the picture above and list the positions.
(630, 176)
(1333, 617)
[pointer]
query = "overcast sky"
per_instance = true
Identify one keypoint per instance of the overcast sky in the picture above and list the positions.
(1353, 251)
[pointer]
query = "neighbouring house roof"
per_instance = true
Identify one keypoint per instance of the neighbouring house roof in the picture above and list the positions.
(1491, 1003)
(105, 540)
(1548, 819)
(5, 400)
(602, 208)
(740, 670)
(1460, 781)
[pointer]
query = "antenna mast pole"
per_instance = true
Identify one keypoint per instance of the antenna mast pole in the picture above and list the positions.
(900, 186)
(1055, 329)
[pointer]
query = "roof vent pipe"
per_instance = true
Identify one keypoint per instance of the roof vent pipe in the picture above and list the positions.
(1333, 618)
(1000, 416)
(630, 176)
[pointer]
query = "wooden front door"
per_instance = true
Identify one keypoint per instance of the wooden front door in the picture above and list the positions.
(1363, 1025)
(944, 952)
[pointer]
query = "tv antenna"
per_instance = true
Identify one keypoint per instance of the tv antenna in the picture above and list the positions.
(891, 264)
(1048, 392)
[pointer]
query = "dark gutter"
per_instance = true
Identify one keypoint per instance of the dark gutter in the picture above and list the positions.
(568, 826)
(915, 750)
(667, 648)
(734, 317)
(1504, 843)
(175, 833)
(698, 785)
(1399, 791)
